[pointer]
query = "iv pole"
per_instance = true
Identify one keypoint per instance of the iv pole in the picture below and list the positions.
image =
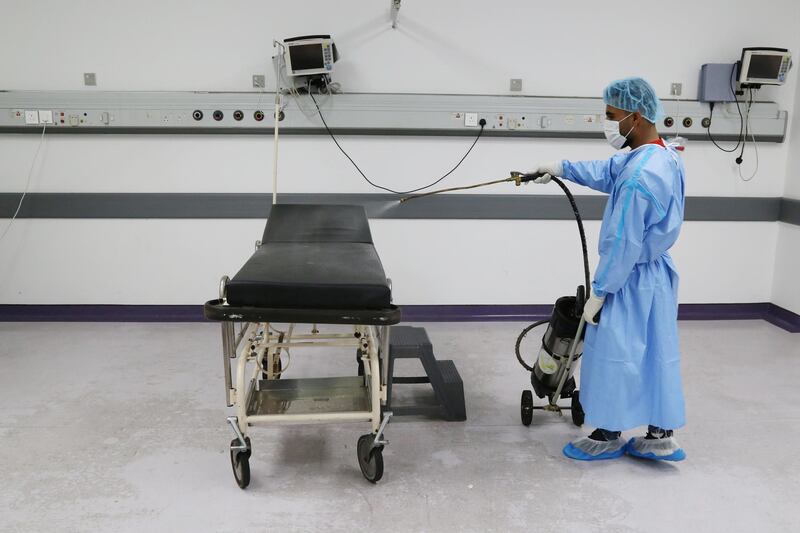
(276, 117)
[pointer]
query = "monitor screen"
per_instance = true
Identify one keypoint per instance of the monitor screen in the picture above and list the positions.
(764, 67)
(306, 57)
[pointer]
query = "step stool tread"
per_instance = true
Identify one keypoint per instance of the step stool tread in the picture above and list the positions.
(449, 371)
(409, 336)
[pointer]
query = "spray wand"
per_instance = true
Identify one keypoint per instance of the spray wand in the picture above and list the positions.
(517, 177)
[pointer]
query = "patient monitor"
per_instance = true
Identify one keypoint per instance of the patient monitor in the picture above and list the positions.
(310, 55)
(764, 66)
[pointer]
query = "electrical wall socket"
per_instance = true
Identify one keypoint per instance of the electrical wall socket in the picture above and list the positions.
(675, 89)
(516, 84)
(89, 79)
(259, 81)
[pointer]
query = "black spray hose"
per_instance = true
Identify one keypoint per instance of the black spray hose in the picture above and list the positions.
(519, 342)
(579, 220)
(584, 249)
(519, 178)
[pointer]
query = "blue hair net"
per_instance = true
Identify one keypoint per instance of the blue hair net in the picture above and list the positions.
(634, 94)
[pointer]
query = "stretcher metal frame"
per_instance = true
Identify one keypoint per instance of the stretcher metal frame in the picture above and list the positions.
(257, 348)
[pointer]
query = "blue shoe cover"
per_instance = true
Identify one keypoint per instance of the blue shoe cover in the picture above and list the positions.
(666, 449)
(592, 450)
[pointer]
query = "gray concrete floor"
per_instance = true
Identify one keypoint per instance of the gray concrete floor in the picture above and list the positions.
(121, 427)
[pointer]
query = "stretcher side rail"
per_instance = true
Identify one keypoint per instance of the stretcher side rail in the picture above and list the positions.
(219, 311)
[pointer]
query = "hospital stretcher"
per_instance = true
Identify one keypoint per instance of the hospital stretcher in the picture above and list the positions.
(314, 265)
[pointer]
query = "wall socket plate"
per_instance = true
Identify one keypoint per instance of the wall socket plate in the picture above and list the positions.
(90, 79)
(516, 84)
(676, 89)
(45, 116)
(259, 81)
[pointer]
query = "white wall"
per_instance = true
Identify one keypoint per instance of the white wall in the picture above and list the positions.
(786, 288)
(430, 262)
(570, 48)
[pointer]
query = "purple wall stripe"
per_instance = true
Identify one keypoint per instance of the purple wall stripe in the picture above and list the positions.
(411, 313)
(101, 313)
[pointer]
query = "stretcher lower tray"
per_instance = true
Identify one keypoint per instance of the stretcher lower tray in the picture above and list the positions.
(220, 311)
(312, 396)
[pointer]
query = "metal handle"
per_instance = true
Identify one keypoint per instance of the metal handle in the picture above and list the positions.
(223, 286)
(573, 347)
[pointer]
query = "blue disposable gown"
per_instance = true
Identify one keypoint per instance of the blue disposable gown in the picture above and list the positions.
(630, 373)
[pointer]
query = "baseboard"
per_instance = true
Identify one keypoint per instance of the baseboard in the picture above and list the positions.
(101, 313)
(783, 318)
(474, 313)
(773, 314)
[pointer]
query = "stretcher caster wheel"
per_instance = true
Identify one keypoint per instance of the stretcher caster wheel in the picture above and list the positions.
(370, 458)
(526, 407)
(577, 409)
(240, 462)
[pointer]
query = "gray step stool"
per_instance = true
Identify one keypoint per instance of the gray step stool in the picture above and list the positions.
(406, 342)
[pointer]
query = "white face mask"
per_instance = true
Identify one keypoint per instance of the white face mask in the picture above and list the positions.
(613, 136)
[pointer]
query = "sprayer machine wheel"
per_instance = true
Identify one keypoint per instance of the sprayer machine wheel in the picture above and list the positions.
(526, 407)
(578, 415)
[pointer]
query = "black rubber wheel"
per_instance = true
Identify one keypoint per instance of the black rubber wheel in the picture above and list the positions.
(526, 407)
(578, 415)
(370, 458)
(240, 462)
(360, 363)
(569, 388)
(277, 368)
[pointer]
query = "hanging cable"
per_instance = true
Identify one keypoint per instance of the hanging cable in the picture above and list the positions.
(746, 127)
(753, 138)
(381, 186)
(741, 119)
(27, 183)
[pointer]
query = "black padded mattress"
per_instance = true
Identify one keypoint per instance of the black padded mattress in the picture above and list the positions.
(317, 223)
(313, 257)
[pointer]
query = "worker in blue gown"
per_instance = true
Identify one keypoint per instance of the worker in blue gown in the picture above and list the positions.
(630, 374)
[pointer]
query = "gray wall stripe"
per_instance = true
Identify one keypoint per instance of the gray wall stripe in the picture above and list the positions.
(790, 211)
(414, 132)
(449, 206)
